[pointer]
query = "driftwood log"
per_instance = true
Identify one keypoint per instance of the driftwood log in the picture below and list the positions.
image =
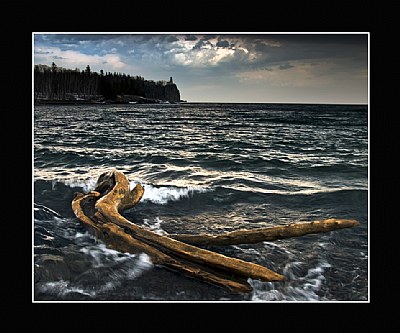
(99, 211)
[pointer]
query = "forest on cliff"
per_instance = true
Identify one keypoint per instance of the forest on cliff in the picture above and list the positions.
(53, 83)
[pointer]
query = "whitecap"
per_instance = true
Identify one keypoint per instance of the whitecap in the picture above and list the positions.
(87, 185)
(163, 194)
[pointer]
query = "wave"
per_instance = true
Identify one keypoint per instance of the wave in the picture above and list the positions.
(317, 190)
(80, 177)
(116, 267)
(86, 185)
(156, 194)
(163, 194)
(300, 285)
(155, 225)
(41, 211)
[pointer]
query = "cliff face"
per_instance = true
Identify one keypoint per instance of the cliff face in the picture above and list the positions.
(168, 92)
(172, 93)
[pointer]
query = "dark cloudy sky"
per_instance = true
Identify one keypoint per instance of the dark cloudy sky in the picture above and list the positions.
(228, 67)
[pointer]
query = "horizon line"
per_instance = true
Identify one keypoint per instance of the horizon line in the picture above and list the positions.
(313, 103)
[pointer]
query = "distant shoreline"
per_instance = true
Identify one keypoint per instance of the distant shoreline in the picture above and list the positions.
(83, 102)
(64, 102)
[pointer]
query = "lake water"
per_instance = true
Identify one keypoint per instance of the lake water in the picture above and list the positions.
(205, 168)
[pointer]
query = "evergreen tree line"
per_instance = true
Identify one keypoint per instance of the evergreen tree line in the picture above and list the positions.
(57, 83)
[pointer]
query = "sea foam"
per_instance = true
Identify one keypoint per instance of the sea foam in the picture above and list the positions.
(297, 287)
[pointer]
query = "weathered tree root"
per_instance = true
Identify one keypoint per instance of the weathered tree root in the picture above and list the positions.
(100, 209)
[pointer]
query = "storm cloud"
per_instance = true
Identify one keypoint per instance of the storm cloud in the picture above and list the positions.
(247, 67)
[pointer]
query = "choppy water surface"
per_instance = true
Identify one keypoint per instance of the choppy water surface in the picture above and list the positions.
(205, 168)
